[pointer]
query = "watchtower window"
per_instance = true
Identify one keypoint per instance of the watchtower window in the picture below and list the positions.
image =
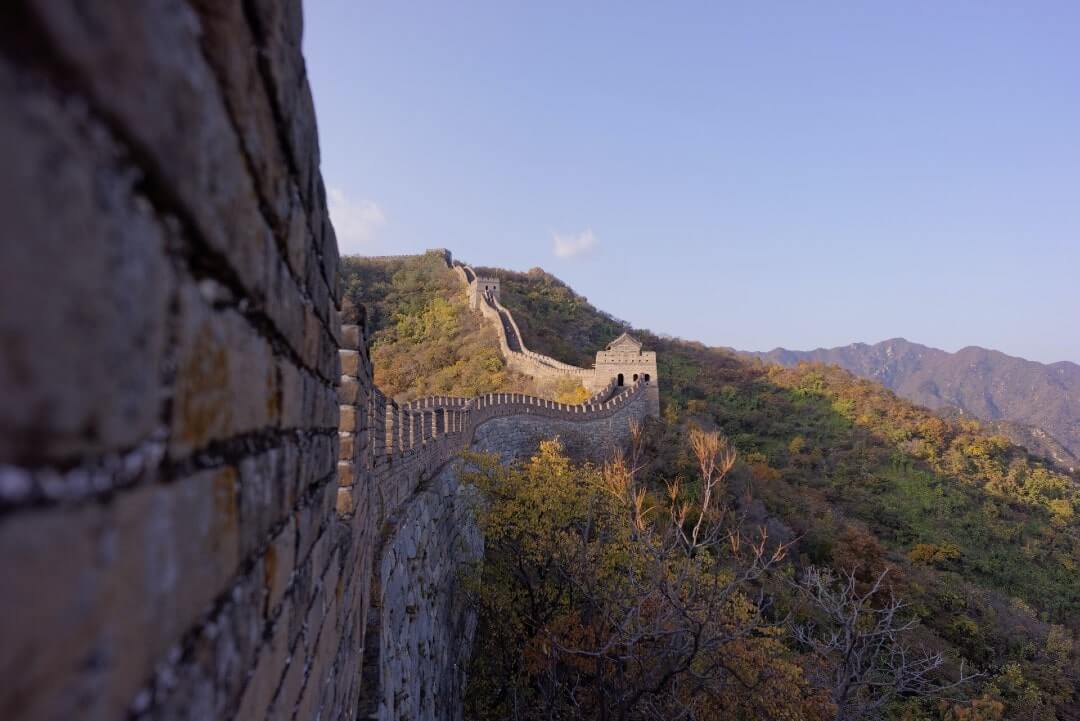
(646, 377)
(635, 377)
(620, 379)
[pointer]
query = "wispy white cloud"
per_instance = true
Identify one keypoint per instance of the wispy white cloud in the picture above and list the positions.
(356, 222)
(572, 245)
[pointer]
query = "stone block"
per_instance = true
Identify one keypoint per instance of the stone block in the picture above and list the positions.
(143, 63)
(347, 424)
(230, 48)
(272, 661)
(103, 592)
(207, 679)
(85, 287)
(264, 500)
(345, 477)
(345, 503)
(348, 390)
(347, 447)
(226, 376)
(300, 245)
(294, 411)
(351, 338)
(279, 561)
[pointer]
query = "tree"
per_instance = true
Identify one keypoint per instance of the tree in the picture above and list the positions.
(859, 637)
(594, 604)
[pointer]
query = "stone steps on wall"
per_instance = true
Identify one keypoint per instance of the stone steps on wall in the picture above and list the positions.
(511, 343)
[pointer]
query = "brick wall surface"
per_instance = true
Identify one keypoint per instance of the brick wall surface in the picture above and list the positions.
(169, 328)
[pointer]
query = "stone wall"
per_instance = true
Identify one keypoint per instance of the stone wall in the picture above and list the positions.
(426, 624)
(517, 437)
(168, 359)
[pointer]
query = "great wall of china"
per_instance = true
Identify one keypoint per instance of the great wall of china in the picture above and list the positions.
(207, 509)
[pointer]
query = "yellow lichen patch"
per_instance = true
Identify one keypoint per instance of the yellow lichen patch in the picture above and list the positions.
(202, 389)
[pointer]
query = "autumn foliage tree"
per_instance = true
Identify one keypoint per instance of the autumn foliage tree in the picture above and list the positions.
(600, 599)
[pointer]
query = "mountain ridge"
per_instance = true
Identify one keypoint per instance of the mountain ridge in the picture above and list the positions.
(988, 384)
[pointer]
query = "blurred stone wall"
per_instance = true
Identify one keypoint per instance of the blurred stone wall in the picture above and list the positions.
(169, 332)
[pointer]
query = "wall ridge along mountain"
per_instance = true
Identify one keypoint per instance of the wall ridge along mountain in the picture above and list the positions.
(627, 360)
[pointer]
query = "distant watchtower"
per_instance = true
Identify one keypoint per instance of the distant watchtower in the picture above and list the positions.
(624, 361)
(481, 287)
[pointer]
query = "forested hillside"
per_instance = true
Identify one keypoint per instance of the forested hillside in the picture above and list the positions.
(980, 539)
(425, 340)
(987, 384)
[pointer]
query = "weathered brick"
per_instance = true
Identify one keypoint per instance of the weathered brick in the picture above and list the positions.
(311, 519)
(279, 562)
(348, 390)
(230, 47)
(50, 618)
(350, 362)
(226, 377)
(112, 587)
(350, 335)
(206, 682)
(346, 447)
(348, 419)
(143, 62)
(86, 285)
(293, 410)
(271, 663)
(264, 498)
(320, 655)
(284, 701)
(345, 502)
(345, 477)
(299, 242)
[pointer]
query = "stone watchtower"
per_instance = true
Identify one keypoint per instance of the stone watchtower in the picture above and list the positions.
(624, 361)
(481, 287)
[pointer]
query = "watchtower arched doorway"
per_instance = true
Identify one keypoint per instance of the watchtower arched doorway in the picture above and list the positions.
(620, 379)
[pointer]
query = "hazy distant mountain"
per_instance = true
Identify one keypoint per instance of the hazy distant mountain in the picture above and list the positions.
(988, 384)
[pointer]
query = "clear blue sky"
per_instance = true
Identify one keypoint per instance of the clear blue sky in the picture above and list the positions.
(744, 174)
